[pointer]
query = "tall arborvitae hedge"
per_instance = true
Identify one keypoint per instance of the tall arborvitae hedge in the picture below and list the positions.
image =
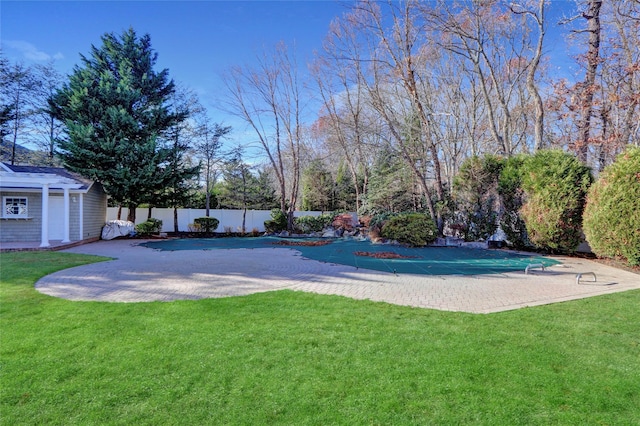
(612, 213)
(555, 185)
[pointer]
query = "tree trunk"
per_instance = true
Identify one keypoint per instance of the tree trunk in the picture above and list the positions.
(175, 219)
(592, 15)
(131, 213)
(244, 219)
(538, 128)
(15, 129)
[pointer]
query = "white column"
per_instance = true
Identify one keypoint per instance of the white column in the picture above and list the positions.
(45, 216)
(65, 238)
(81, 215)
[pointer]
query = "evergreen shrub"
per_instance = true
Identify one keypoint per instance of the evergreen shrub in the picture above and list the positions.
(277, 223)
(379, 219)
(314, 223)
(151, 226)
(512, 197)
(206, 223)
(475, 194)
(555, 185)
(612, 213)
(414, 229)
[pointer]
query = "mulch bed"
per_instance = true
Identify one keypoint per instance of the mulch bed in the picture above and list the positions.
(301, 243)
(383, 255)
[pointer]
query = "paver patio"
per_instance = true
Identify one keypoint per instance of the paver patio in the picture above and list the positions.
(140, 274)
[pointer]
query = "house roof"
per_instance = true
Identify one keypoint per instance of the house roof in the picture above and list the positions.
(13, 176)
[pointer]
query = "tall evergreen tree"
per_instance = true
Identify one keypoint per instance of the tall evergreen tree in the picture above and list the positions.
(117, 113)
(391, 185)
(266, 197)
(344, 190)
(317, 187)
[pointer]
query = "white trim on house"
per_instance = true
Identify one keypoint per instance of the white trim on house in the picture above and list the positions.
(19, 215)
(44, 240)
(81, 207)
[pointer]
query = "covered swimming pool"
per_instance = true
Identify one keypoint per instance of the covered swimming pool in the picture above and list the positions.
(379, 257)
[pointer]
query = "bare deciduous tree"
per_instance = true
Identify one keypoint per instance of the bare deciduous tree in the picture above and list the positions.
(536, 12)
(495, 46)
(396, 84)
(46, 128)
(268, 98)
(588, 86)
(207, 149)
(18, 86)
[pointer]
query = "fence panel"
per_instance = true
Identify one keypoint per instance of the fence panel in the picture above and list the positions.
(230, 220)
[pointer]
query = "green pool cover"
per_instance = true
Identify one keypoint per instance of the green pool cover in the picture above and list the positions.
(425, 260)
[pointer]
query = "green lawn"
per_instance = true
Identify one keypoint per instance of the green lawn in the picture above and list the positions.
(295, 358)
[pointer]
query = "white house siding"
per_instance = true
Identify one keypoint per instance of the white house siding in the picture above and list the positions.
(23, 230)
(95, 212)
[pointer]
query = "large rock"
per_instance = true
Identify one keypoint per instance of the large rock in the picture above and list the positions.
(117, 228)
(329, 233)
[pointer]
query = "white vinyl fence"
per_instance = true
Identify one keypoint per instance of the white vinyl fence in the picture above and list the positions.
(229, 219)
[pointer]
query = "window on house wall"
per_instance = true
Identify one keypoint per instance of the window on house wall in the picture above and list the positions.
(15, 207)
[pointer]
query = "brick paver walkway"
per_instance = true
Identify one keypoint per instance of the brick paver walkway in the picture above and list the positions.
(140, 274)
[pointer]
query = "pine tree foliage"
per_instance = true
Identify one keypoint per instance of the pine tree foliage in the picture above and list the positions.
(317, 187)
(390, 186)
(242, 188)
(344, 190)
(117, 111)
(475, 191)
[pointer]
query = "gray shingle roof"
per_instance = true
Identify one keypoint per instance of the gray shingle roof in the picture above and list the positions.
(58, 171)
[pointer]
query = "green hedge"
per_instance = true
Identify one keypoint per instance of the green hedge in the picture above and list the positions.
(612, 213)
(206, 223)
(314, 223)
(414, 229)
(277, 223)
(475, 194)
(555, 185)
(151, 226)
(512, 197)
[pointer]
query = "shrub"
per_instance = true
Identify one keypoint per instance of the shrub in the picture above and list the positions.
(475, 194)
(314, 223)
(414, 229)
(151, 226)
(277, 223)
(206, 223)
(612, 213)
(511, 194)
(379, 219)
(555, 185)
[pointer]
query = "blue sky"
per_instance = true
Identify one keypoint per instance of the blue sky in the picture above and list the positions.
(195, 40)
(192, 38)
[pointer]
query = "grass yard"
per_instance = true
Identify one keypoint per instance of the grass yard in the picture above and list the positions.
(302, 359)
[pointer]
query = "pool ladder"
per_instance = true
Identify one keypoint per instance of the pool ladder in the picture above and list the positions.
(533, 266)
(579, 276)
